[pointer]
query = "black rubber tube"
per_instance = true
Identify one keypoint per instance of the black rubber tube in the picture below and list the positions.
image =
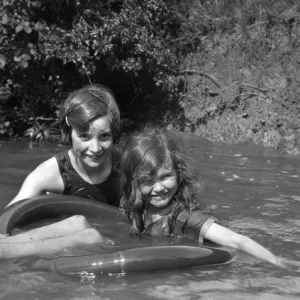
(135, 260)
(142, 260)
(47, 206)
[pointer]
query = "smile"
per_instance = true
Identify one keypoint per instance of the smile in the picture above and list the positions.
(162, 195)
(93, 157)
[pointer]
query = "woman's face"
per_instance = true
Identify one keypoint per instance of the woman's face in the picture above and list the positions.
(160, 188)
(94, 146)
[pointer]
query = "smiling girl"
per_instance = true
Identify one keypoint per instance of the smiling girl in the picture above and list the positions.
(162, 196)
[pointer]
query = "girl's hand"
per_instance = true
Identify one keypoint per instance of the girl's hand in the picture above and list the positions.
(107, 241)
(291, 265)
(3, 236)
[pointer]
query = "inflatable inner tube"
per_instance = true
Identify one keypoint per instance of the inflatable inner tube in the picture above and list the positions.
(128, 261)
(47, 206)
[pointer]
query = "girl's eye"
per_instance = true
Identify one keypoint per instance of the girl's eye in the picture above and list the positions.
(167, 176)
(146, 181)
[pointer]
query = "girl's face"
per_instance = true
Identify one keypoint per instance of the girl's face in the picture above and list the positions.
(160, 188)
(94, 146)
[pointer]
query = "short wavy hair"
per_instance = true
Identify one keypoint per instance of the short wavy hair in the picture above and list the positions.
(84, 106)
(143, 155)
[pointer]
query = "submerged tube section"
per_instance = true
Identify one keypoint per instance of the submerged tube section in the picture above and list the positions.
(142, 260)
(128, 261)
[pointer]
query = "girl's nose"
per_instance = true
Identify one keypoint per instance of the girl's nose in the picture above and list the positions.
(95, 146)
(158, 187)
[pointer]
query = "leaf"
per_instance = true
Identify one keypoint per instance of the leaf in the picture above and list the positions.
(24, 64)
(3, 61)
(19, 28)
(6, 2)
(28, 30)
(26, 56)
(5, 19)
(17, 58)
(24, 11)
(38, 26)
(39, 135)
(35, 3)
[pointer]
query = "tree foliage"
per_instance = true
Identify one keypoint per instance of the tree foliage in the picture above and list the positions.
(137, 47)
(45, 43)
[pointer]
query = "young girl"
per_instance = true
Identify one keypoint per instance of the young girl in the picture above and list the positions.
(90, 120)
(161, 196)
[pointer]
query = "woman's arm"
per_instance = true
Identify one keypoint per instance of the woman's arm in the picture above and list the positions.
(45, 178)
(49, 246)
(226, 237)
(65, 227)
(54, 238)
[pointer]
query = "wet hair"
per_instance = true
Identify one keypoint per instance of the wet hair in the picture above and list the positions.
(84, 106)
(143, 155)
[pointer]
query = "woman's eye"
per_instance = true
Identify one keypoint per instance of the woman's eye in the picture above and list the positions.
(83, 136)
(105, 136)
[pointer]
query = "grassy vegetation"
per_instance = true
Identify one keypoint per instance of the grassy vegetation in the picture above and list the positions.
(242, 83)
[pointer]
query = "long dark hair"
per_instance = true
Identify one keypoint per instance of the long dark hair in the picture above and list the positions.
(143, 155)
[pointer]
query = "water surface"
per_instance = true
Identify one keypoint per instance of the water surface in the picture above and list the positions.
(250, 189)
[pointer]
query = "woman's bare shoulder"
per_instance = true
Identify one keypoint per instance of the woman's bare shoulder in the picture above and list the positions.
(44, 178)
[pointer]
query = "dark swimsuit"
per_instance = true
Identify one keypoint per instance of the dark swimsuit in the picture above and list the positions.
(107, 191)
(192, 226)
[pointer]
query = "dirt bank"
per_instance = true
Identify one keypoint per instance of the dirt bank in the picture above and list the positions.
(243, 86)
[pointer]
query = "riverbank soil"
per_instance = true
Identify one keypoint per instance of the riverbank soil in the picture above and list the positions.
(243, 85)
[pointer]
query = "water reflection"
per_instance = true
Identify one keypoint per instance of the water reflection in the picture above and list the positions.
(253, 190)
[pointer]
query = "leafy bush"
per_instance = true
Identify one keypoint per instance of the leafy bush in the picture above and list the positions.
(146, 51)
(51, 47)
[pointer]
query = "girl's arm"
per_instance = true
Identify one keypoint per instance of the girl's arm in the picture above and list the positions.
(226, 237)
(45, 178)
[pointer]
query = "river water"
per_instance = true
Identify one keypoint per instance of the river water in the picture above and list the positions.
(252, 190)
